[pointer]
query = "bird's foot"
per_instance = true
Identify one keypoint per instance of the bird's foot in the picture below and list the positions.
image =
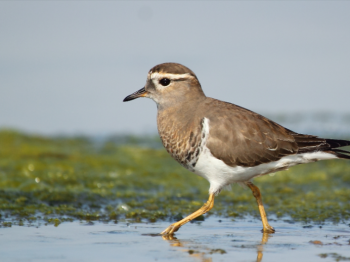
(170, 230)
(268, 229)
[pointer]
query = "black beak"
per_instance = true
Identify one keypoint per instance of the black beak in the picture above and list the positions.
(141, 93)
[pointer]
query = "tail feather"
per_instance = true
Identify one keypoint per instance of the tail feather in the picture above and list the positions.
(335, 143)
(308, 144)
(341, 153)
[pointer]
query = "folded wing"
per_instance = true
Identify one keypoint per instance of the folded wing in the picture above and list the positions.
(240, 137)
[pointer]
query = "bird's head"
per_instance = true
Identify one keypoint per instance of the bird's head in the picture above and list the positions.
(170, 84)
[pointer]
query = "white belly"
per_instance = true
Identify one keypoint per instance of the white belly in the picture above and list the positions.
(220, 175)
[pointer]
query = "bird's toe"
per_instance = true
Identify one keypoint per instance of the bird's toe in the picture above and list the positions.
(268, 229)
(170, 230)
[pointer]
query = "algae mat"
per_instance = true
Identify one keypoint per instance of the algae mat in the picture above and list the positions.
(49, 180)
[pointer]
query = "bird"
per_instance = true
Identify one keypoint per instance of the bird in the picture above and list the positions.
(223, 142)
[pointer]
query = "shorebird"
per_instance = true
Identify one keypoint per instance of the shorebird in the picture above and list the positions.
(223, 142)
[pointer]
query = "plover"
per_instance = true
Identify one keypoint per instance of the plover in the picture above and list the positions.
(223, 142)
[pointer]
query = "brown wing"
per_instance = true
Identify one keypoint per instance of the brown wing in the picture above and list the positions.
(240, 137)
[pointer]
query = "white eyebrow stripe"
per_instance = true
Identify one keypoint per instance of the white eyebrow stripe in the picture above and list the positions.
(157, 75)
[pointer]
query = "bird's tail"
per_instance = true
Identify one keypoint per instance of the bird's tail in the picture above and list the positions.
(335, 143)
(309, 144)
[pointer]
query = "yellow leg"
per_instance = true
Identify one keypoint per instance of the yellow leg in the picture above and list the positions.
(204, 209)
(256, 193)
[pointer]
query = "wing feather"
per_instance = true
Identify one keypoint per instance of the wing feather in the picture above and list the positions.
(240, 137)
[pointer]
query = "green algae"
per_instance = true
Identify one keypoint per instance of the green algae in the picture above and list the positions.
(47, 180)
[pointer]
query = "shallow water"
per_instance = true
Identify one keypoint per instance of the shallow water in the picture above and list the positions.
(215, 239)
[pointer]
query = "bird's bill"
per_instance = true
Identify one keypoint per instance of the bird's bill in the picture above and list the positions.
(140, 93)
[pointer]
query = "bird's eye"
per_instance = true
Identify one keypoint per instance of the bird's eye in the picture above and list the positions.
(164, 81)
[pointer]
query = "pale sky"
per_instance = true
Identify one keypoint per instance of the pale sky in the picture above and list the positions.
(66, 66)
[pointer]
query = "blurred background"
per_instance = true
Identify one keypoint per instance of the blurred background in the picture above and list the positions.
(65, 66)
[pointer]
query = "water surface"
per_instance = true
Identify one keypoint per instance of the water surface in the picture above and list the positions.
(215, 239)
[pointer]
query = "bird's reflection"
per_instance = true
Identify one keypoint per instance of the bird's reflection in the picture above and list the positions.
(202, 252)
(197, 251)
(260, 247)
